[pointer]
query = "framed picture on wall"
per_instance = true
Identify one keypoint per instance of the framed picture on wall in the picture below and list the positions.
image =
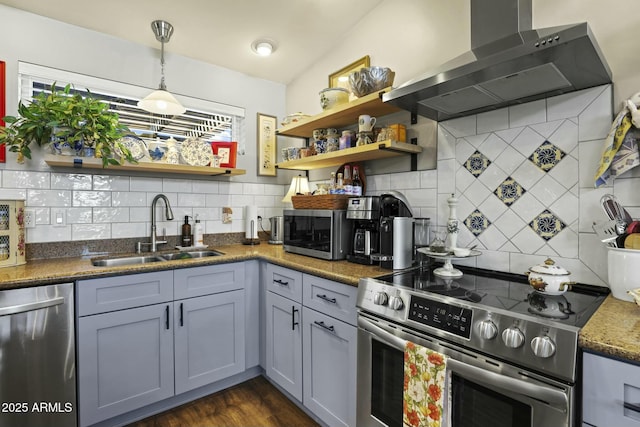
(266, 134)
(227, 152)
(340, 78)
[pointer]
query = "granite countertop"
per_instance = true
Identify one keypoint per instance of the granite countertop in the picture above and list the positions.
(58, 270)
(614, 330)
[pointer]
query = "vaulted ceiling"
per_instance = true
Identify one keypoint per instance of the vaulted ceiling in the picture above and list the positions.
(220, 32)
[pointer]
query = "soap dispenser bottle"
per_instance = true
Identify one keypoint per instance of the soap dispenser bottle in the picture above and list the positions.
(198, 233)
(186, 232)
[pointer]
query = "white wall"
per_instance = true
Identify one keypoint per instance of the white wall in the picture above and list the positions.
(109, 205)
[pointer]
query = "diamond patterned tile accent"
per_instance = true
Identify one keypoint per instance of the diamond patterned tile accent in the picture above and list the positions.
(509, 191)
(546, 156)
(476, 222)
(477, 163)
(547, 224)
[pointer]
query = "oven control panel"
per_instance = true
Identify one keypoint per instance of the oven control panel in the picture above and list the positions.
(448, 318)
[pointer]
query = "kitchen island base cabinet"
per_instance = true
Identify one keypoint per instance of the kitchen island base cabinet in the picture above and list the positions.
(611, 392)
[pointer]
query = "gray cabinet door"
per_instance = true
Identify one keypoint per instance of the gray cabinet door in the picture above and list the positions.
(610, 392)
(125, 361)
(329, 360)
(209, 339)
(284, 343)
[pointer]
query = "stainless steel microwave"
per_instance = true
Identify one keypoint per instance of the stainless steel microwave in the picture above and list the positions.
(320, 233)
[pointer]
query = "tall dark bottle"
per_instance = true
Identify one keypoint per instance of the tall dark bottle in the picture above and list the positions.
(186, 232)
(356, 182)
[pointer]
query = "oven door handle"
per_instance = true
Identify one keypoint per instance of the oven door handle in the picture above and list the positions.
(548, 394)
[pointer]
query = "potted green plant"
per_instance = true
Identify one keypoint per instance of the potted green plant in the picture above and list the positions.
(79, 120)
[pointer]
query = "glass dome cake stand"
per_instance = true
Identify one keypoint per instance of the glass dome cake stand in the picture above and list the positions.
(447, 271)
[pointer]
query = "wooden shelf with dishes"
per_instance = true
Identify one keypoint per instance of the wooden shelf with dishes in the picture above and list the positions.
(94, 163)
(373, 151)
(339, 117)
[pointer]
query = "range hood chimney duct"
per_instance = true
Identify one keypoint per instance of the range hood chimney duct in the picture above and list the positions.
(509, 63)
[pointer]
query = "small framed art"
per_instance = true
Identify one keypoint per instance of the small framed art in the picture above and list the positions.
(266, 134)
(227, 152)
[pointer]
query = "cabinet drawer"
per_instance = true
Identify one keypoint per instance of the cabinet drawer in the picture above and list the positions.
(121, 292)
(285, 282)
(611, 392)
(210, 279)
(332, 298)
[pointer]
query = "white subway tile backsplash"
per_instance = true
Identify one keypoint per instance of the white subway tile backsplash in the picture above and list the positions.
(461, 127)
(253, 188)
(140, 214)
(527, 141)
(565, 243)
(595, 120)
(446, 144)
(547, 129)
(13, 194)
(90, 231)
(192, 200)
(26, 179)
(78, 216)
(565, 136)
(429, 179)
(111, 183)
(46, 233)
(230, 188)
(91, 198)
(48, 198)
(123, 230)
(170, 185)
(139, 183)
(492, 147)
(133, 198)
(572, 104)
(205, 187)
(446, 176)
(109, 215)
(405, 180)
(71, 181)
(217, 200)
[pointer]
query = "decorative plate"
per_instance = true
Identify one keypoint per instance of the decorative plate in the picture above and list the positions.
(136, 145)
(196, 152)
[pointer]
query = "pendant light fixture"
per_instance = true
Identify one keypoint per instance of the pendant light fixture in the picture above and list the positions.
(161, 101)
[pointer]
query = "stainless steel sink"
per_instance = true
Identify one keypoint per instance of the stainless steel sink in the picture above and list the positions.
(191, 254)
(129, 260)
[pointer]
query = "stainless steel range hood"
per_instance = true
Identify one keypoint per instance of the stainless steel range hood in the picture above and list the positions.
(509, 63)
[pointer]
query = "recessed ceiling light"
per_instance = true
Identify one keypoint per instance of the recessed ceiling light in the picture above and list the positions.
(263, 47)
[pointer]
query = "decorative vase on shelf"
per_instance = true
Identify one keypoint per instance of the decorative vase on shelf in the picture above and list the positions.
(173, 155)
(452, 222)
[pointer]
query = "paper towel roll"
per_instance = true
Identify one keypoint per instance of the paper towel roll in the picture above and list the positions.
(251, 222)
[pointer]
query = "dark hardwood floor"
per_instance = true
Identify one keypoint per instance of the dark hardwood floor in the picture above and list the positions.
(254, 403)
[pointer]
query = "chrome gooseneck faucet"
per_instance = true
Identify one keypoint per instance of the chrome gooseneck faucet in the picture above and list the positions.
(168, 214)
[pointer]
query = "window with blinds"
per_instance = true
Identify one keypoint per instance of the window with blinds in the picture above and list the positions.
(208, 120)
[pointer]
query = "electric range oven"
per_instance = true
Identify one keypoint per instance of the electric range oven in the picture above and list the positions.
(512, 353)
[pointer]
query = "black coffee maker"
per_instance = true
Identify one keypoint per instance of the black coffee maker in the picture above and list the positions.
(371, 220)
(364, 215)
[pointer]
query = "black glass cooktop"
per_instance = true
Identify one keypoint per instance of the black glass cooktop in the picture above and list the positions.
(505, 291)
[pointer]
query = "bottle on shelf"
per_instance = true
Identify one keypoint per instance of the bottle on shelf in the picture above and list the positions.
(186, 232)
(339, 184)
(356, 183)
(332, 183)
(346, 181)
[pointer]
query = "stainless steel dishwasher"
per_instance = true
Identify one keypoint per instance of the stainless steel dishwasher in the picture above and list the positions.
(37, 357)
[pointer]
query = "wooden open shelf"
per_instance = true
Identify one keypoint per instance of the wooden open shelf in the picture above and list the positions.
(341, 116)
(94, 163)
(376, 150)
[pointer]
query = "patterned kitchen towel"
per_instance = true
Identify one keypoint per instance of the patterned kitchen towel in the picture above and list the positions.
(426, 388)
(621, 150)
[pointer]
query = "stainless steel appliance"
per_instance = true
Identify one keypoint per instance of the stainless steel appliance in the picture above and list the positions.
(364, 215)
(277, 229)
(512, 352)
(37, 357)
(509, 63)
(392, 205)
(320, 233)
